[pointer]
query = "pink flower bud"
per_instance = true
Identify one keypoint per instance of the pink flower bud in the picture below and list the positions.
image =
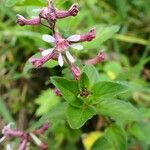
(43, 146)
(36, 62)
(23, 144)
(91, 35)
(14, 133)
(99, 58)
(74, 9)
(23, 21)
(20, 20)
(75, 72)
(88, 36)
(42, 129)
(57, 92)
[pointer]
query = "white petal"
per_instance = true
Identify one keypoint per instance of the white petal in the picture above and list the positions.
(36, 10)
(74, 38)
(47, 51)
(36, 139)
(2, 139)
(69, 56)
(48, 38)
(60, 60)
(8, 147)
(8, 126)
(77, 46)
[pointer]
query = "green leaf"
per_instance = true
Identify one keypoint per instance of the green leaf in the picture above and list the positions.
(117, 136)
(135, 71)
(112, 69)
(32, 3)
(46, 101)
(118, 109)
(10, 3)
(92, 74)
(4, 112)
(68, 88)
(84, 81)
(51, 64)
(108, 89)
(145, 112)
(102, 144)
(120, 6)
(78, 116)
(28, 66)
(55, 113)
(141, 131)
(131, 39)
(103, 33)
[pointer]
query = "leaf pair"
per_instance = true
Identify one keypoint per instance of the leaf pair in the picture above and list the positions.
(80, 109)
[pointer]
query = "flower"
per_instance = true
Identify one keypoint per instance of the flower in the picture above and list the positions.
(100, 57)
(75, 72)
(50, 13)
(5, 131)
(61, 46)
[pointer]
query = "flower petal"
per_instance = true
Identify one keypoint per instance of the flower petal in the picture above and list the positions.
(47, 51)
(77, 46)
(70, 57)
(74, 38)
(8, 126)
(2, 139)
(48, 38)
(8, 147)
(60, 60)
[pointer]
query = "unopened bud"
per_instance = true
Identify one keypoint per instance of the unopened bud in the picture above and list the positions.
(74, 9)
(57, 92)
(75, 72)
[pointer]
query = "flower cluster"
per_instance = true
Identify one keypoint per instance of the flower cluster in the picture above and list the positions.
(50, 14)
(25, 137)
(61, 45)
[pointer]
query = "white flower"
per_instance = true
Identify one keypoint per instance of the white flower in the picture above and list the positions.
(61, 46)
(6, 128)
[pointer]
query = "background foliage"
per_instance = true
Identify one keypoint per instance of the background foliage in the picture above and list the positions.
(26, 97)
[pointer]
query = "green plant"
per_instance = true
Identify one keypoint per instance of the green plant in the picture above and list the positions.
(113, 92)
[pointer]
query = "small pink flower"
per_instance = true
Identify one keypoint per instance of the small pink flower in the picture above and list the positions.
(100, 57)
(57, 92)
(75, 72)
(50, 13)
(74, 9)
(23, 21)
(61, 46)
(23, 144)
(38, 62)
(88, 36)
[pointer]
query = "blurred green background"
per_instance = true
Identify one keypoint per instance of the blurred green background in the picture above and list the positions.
(127, 59)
